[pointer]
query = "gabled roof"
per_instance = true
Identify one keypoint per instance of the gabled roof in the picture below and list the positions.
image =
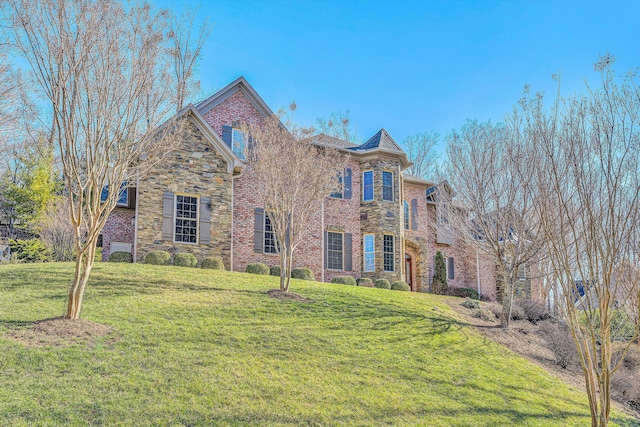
(323, 139)
(212, 137)
(239, 84)
(382, 140)
(407, 177)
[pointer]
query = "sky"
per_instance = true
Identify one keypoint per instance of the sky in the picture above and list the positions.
(411, 66)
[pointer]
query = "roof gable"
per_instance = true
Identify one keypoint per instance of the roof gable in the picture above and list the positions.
(239, 84)
(382, 140)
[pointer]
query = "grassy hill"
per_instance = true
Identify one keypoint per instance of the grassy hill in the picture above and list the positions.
(195, 347)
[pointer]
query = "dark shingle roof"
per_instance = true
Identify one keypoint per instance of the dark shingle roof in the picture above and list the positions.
(322, 139)
(380, 140)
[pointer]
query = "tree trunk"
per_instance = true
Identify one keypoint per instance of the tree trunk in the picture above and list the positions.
(507, 303)
(84, 264)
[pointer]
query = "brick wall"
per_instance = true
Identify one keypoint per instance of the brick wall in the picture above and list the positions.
(236, 107)
(119, 228)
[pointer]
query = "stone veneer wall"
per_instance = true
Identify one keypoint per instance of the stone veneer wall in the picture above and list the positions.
(383, 217)
(417, 241)
(119, 228)
(193, 169)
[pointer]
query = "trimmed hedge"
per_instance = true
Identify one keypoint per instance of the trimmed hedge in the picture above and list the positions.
(158, 258)
(302, 273)
(464, 293)
(184, 259)
(213, 263)
(121, 257)
(275, 270)
(258, 268)
(365, 281)
(400, 286)
(383, 284)
(344, 280)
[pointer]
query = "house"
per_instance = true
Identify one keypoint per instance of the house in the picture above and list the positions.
(381, 224)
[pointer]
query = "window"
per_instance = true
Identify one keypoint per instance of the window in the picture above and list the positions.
(270, 245)
(123, 197)
(367, 186)
(443, 213)
(338, 194)
(523, 272)
(450, 270)
(237, 143)
(186, 225)
(334, 251)
(387, 250)
(406, 215)
(387, 186)
(368, 244)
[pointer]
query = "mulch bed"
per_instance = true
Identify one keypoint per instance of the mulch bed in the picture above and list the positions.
(289, 296)
(59, 332)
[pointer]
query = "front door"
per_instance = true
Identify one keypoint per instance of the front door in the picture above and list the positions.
(408, 270)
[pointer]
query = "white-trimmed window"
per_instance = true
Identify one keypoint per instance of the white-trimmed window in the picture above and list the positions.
(367, 186)
(270, 243)
(443, 213)
(335, 251)
(407, 218)
(388, 251)
(186, 225)
(368, 246)
(387, 186)
(238, 142)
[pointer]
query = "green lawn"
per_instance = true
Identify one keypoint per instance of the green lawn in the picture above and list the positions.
(203, 347)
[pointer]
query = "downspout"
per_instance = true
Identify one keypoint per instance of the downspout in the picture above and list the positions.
(135, 219)
(322, 246)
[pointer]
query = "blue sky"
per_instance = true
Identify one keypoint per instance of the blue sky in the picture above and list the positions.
(411, 66)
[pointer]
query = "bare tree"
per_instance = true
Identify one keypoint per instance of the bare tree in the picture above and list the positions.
(587, 159)
(496, 207)
(421, 152)
(338, 125)
(105, 71)
(185, 51)
(293, 178)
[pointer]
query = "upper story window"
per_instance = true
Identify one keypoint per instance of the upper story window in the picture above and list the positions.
(123, 197)
(387, 249)
(186, 225)
(338, 194)
(367, 185)
(387, 186)
(238, 142)
(407, 219)
(334, 251)
(443, 213)
(270, 244)
(368, 246)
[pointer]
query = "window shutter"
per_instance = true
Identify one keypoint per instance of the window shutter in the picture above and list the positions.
(348, 252)
(326, 249)
(258, 231)
(450, 269)
(414, 214)
(347, 183)
(167, 216)
(226, 135)
(205, 220)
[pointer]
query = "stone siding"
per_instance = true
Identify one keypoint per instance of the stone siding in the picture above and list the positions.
(194, 169)
(417, 241)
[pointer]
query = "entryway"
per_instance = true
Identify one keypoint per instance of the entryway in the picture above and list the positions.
(408, 270)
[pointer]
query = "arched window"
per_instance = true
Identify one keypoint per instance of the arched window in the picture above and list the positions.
(406, 215)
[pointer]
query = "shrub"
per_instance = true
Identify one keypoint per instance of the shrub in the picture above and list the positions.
(624, 383)
(471, 304)
(496, 309)
(517, 312)
(211, 262)
(275, 270)
(258, 268)
(98, 255)
(158, 258)
(383, 284)
(302, 273)
(560, 343)
(534, 311)
(31, 250)
(121, 257)
(400, 286)
(365, 281)
(464, 293)
(439, 284)
(344, 280)
(184, 259)
(485, 314)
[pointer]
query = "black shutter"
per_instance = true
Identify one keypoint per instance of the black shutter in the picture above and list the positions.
(347, 183)
(205, 220)
(348, 252)
(326, 249)
(167, 216)
(258, 231)
(450, 269)
(414, 214)
(226, 135)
